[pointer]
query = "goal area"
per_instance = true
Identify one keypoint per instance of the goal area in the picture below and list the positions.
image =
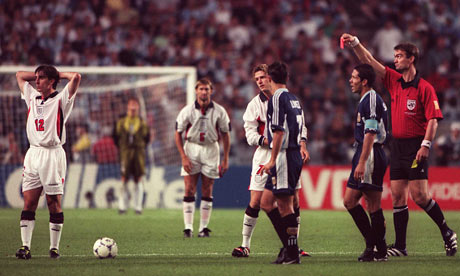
(101, 100)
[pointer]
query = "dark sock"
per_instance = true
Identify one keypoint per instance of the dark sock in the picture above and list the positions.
(297, 215)
(378, 227)
(275, 218)
(362, 221)
(435, 213)
(290, 227)
(400, 220)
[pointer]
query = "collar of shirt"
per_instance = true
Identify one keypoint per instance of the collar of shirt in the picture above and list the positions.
(281, 90)
(52, 95)
(198, 106)
(262, 96)
(360, 100)
(413, 83)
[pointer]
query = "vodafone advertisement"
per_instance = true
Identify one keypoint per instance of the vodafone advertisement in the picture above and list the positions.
(323, 188)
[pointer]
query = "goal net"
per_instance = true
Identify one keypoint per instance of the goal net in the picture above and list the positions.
(101, 101)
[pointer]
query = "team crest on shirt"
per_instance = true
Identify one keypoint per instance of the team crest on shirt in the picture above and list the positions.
(411, 104)
(40, 110)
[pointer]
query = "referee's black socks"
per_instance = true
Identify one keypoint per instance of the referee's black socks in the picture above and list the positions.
(400, 220)
(435, 213)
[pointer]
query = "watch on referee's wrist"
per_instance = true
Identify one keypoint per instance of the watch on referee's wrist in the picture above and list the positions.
(426, 144)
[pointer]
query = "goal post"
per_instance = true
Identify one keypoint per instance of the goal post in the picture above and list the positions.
(93, 169)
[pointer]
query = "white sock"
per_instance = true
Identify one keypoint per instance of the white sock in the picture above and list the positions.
(55, 234)
(205, 213)
(189, 210)
(298, 226)
(27, 228)
(138, 195)
(249, 224)
(123, 197)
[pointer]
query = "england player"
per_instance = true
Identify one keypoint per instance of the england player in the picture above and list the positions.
(368, 165)
(45, 161)
(284, 122)
(203, 122)
(132, 136)
(415, 113)
(256, 135)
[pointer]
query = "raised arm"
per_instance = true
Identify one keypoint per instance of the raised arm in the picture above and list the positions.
(22, 77)
(74, 81)
(363, 54)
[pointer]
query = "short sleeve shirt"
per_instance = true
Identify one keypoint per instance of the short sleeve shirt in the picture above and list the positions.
(46, 118)
(413, 104)
(371, 117)
(202, 126)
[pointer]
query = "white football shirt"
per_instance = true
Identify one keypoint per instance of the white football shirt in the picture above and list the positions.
(203, 126)
(46, 118)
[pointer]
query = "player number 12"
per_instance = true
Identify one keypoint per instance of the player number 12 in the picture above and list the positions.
(39, 124)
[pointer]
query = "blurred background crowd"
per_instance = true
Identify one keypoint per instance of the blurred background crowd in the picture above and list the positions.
(225, 39)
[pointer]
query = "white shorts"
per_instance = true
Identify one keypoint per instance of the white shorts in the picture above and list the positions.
(205, 159)
(45, 167)
(258, 179)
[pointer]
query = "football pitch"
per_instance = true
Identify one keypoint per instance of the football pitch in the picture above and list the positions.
(153, 244)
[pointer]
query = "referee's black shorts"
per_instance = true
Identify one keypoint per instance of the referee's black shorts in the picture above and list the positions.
(403, 164)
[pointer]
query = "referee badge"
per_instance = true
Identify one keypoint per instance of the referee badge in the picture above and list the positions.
(411, 104)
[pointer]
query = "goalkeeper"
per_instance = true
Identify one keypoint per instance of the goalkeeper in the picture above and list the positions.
(131, 137)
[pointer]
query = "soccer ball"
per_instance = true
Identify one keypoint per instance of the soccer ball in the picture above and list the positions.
(105, 248)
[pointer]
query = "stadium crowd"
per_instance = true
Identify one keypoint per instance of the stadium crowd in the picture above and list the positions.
(225, 39)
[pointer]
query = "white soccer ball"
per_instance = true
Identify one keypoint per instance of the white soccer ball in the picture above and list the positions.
(105, 248)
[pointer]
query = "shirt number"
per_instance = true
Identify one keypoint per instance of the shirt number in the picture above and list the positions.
(39, 124)
(300, 124)
(201, 136)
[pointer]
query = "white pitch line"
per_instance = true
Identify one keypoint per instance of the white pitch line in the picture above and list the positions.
(325, 253)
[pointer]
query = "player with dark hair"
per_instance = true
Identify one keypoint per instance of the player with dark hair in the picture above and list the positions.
(45, 162)
(369, 164)
(256, 135)
(203, 122)
(132, 136)
(285, 122)
(415, 114)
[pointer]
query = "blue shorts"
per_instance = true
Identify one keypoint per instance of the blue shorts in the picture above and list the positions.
(286, 172)
(374, 172)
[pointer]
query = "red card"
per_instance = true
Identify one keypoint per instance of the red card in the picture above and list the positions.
(341, 43)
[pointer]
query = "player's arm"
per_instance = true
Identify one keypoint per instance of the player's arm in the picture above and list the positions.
(74, 81)
(303, 151)
(22, 77)
(251, 126)
(366, 151)
(226, 143)
(363, 54)
(424, 151)
(276, 147)
(180, 147)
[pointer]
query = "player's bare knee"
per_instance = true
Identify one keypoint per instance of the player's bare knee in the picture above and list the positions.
(349, 203)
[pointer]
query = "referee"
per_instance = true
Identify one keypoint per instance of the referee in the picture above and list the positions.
(415, 114)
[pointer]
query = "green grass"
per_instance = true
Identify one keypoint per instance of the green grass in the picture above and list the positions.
(152, 244)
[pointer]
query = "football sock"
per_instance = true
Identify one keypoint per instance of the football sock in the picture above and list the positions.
(123, 197)
(205, 212)
(297, 215)
(56, 223)
(434, 211)
(378, 227)
(289, 223)
(275, 218)
(138, 195)
(27, 225)
(189, 210)
(362, 222)
(400, 220)
(249, 224)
